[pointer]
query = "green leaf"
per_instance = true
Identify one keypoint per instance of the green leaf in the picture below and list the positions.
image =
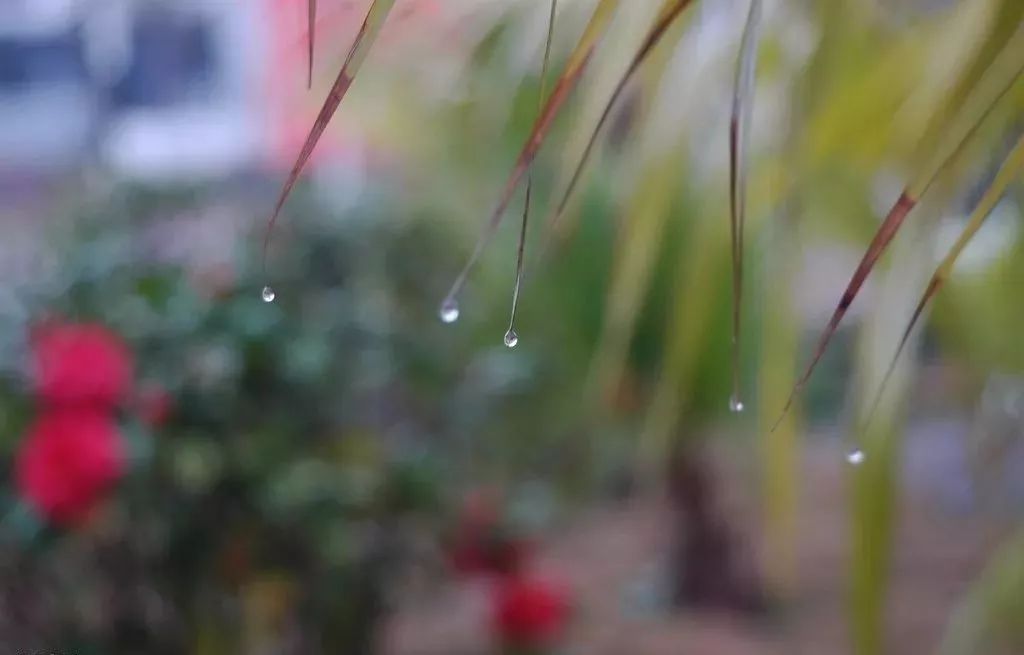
(364, 41)
(311, 39)
(669, 12)
(998, 79)
(510, 335)
(567, 81)
(1008, 172)
(989, 616)
(739, 131)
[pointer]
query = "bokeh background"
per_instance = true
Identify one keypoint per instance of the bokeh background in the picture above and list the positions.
(189, 469)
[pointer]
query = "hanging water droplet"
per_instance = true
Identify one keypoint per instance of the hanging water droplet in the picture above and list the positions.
(855, 457)
(449, 311)
(268, 294)
(735, 404)
(511, 339)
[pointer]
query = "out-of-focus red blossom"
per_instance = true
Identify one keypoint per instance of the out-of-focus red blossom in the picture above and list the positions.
(68, 461)
(508, 555)
(480, 544)
(530, 612)
(477, 518)
(153, 404)
(488, 554)
(80, 364)
(468, 556)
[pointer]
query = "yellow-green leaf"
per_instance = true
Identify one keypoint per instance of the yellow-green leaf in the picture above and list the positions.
(567, 81)
(368, 32)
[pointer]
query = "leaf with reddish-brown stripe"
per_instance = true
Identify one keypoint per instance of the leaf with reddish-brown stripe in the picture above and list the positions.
(364, 40)
(311, 15)
(510, 335)
(1004, 71)
(670, 11)
(567, 81)
(739, 137)
(1010, 170)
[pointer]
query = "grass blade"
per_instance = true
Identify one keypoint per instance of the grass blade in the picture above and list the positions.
(781, 451)
(1009, 171)
(372, 23)
(739, 137)
(511, 338)
(989, 615)
(1000, 76)
(690, 324)
(669, 12)
(640, 236)
(567, 81)
(312, 39)
(639, 249)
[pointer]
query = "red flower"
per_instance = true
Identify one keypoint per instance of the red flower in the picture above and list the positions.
(478, 519)
(153, 404)
(530, 613)
(80, 364)
(68, 461)
(482, 544)
(508, 555)
(468, 557)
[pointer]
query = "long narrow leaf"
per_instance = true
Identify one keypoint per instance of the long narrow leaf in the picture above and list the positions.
(311, 14)
(640, 241)
(567, 81)
(670, 11)
(364, 41)
(990, 612)
(1000, 76)
(739, 137)
(1010, 170)
(641, 237)
(692, 316)
(511, 338)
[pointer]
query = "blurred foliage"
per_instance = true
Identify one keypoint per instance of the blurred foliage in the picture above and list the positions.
(310, 436)
(312, 440)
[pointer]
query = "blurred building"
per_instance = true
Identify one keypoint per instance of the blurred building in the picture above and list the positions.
(151, 89)
(49, 103)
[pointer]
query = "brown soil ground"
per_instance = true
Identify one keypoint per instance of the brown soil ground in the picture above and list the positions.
(609, 553)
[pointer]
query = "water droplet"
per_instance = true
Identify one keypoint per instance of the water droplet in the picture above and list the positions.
(735, 404)
(511, 339)
(449, 312)
(855, 457)
(268, 294)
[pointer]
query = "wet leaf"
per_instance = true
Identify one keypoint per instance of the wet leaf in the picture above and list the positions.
(521, 249)
(990, 614)
(567, 81)
(739, 137)
(1004, 71)
(364, 41)
(1008, 172)
(669, 12)
(311, 39)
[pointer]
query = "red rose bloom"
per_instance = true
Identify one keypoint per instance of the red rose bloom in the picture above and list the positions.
(68, 461)
(80, 364)
(529, 613)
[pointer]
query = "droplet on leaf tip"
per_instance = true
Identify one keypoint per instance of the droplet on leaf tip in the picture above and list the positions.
(268, 294)
(511, 339)
(449, 312)
(735, 405)
(855, 457)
